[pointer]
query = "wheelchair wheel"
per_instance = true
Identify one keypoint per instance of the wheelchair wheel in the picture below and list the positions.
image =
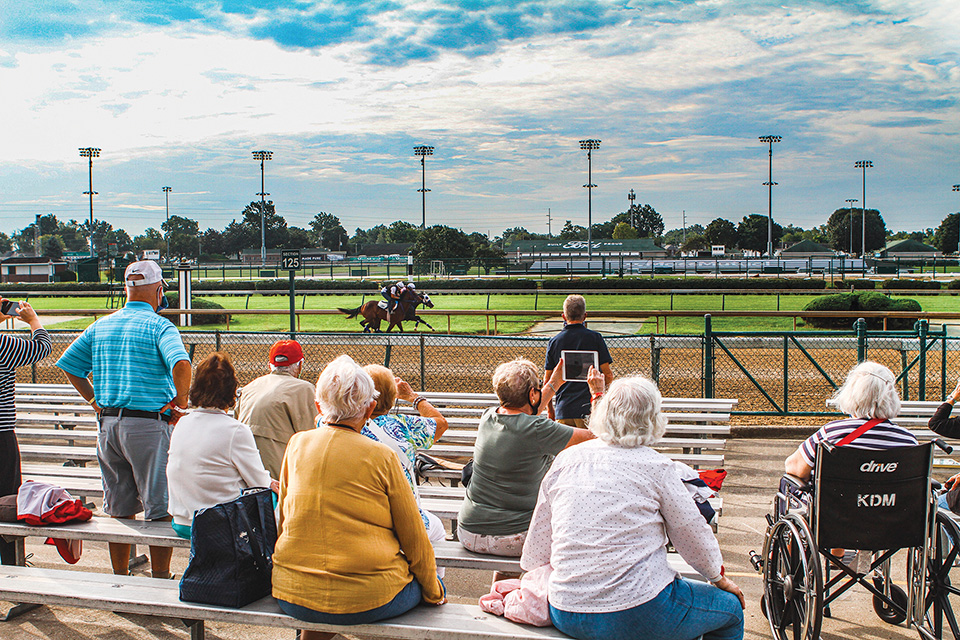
(944, 552)
(793, 584)
(889, 614)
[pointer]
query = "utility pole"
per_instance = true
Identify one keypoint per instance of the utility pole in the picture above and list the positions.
(850, 202)
(684, 226)
(36, 237)
(166, 196)
(549, 224)
(769, 184)
(632, 197)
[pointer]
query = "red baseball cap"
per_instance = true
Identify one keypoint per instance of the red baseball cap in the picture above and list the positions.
(285, 353)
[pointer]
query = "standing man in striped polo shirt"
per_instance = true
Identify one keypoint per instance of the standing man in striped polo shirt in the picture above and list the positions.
(15, 352)
(868, 393)
(140, 382)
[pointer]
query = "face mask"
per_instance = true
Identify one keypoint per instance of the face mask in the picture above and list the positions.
(163, 302)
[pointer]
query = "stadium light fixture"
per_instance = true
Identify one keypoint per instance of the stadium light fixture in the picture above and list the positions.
(90, 153)
(863, 165)
(423, 150)
(769, 184)
(589, 145)
(263, 156)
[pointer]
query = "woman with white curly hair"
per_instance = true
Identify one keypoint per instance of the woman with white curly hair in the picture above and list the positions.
(869, 394)
(346, 511)
(604, 514)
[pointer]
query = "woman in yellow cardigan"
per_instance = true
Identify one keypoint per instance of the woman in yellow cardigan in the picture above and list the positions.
(346, 511)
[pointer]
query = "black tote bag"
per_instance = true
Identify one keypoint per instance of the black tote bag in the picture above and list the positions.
(231, 551)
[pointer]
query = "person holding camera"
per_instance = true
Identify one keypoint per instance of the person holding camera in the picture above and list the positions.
(15, 352)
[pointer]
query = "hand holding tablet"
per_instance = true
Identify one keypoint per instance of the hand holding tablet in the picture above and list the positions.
(576, 364)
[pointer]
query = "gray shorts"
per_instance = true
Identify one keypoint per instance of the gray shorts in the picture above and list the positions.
(133, 462)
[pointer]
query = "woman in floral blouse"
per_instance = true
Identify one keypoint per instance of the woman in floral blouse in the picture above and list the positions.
(406, 434)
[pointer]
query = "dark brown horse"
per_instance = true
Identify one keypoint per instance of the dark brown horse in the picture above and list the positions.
(373, 313)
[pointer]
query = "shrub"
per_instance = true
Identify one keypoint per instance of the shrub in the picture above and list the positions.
(911, 284)
(855, 284)
(173, 299)
(867, 301)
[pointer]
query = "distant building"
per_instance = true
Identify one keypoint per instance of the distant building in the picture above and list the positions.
(384, 249)
(31, 269)
(310, 256)
(545, 249)
(807, 249)
(909, 249)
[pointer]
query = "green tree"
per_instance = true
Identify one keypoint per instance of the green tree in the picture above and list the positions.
(298, 238)
(149, 239)
(72, 235)
(6, 244)
(571, 231)
(441, 243)
(624, 231)
(695, 242)
(212, 242)
(51, 246)
(647, 221)
(721, 231)
(275, 226)
(839, 230)
(328, 233)
(752, 233)
(947, 234)
(401, 232)
(182, 233)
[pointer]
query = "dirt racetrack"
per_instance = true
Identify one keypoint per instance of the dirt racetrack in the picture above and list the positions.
(798, 378)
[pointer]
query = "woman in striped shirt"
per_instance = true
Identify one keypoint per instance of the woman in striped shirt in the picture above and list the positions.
(868, 393)
(15, 352)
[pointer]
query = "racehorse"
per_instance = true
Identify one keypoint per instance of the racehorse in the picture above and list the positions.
(374, 312)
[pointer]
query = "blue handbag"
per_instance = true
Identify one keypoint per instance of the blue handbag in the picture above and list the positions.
(231, 551)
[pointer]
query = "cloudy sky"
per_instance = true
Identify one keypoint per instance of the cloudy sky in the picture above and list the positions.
(180, 93)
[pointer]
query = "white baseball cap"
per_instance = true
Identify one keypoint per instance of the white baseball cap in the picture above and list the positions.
(150, 270)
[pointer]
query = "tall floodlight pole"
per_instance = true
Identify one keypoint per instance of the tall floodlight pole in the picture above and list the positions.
(850, 202)
(632, 196)
(863, 165)
(166, 197)
(423, 150)
(589, 145)
(90, 153)
(956, 187)
(769, 184)
(262, 156)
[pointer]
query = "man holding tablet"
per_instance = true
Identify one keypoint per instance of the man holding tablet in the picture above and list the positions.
(573, 398)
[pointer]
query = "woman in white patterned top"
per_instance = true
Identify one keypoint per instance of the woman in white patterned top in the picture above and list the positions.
(605, 511)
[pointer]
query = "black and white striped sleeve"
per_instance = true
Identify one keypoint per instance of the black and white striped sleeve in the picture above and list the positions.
(17, 352)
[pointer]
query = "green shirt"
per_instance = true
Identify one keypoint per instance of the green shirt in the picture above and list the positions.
(513, 453)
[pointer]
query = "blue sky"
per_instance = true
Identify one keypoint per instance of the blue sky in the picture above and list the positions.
(179, 94)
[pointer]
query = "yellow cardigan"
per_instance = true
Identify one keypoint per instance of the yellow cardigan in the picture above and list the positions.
(346, 510)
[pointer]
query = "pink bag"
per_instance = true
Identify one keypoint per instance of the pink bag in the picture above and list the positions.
(523, 600)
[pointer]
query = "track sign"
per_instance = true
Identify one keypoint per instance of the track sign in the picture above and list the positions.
(290, 260)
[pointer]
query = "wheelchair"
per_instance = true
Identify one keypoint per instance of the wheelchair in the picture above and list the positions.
(876, 502)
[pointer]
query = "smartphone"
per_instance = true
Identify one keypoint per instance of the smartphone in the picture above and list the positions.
(10, 308)
(576, 364)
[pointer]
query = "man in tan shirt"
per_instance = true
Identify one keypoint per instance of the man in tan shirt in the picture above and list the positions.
(278, 405)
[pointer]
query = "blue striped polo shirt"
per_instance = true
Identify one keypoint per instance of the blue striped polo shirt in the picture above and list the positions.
(131, 354)
(885, 435)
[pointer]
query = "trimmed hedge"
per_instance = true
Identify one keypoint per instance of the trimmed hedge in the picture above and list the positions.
(173, 299)
(925, 285)
(868, 301)
(683, 283)
(858, 285)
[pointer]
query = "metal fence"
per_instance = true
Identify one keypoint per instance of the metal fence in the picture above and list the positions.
(771, 373)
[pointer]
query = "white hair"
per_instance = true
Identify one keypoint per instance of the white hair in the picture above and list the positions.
(513, 380)
(628, 414)
(870, 391)
(344, 390)
(292, 369)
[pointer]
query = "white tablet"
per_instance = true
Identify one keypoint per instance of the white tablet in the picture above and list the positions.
(576, 364)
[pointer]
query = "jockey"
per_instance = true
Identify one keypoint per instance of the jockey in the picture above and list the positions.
(392, 295)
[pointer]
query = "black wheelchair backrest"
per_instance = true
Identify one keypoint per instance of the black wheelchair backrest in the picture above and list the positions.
(871, 499)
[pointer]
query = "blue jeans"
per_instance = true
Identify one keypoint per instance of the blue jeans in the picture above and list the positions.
(682, 611)
(407, 599)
